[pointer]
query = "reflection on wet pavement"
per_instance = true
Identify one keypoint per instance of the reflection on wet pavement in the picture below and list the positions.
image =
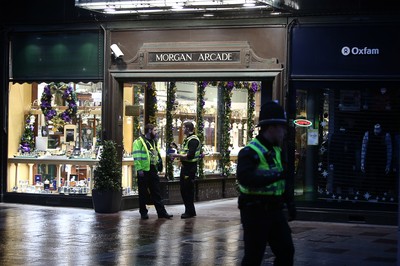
(37, 235)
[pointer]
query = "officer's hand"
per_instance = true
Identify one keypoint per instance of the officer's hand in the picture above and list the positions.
(292, 212)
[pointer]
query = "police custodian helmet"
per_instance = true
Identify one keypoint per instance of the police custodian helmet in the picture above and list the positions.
(271, 113)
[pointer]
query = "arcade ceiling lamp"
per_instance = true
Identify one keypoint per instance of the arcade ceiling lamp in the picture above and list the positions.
(168, 6)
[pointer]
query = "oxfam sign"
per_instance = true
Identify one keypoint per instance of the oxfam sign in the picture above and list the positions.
(359, 51)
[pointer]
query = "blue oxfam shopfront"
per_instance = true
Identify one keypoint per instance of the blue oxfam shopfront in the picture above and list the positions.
(344, 79)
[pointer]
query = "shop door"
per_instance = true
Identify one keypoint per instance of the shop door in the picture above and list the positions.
(309, 137)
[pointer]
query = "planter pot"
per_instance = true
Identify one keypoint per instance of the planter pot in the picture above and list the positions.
(106, 201)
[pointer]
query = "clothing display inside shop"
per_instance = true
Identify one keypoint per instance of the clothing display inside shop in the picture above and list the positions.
(342, 159)
(356, 154)
(376, 159)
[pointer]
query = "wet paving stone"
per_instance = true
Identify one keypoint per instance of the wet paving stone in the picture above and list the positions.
(39, 235)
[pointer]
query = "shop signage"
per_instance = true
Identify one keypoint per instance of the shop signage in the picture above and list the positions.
(302, 122)
(193, 57)
(359, 51)
(344, 51)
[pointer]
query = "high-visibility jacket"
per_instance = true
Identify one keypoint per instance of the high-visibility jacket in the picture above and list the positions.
(143, 157)
(185, 148)
(278, 187)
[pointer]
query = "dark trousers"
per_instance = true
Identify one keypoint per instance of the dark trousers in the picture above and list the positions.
(186, 181)
(149, 188)
(262, 227)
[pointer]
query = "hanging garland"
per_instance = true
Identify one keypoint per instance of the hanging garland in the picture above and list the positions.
(227, 88)
(171, 107)
(152, 101)
(251, 104)
(27, 143)
(252, 88)
(200, 123)
(136, 121)
(50, 114)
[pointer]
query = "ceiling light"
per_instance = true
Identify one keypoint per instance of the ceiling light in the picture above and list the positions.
(249, 4)
(168, 6)
(275, 13)
(109, 9)
(177, 6)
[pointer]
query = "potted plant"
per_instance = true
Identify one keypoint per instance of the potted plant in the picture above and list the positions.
(107, 187)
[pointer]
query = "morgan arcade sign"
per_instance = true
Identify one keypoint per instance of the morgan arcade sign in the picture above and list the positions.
(193, 57)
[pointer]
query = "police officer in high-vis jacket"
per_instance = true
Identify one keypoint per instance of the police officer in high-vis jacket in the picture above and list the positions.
(146, 158)
(265, 191)
(189, 154)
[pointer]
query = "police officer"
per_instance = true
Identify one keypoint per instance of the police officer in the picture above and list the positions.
(264, 191)
(146, 158)
(189, 154)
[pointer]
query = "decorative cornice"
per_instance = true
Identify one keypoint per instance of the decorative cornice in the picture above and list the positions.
(199, 55)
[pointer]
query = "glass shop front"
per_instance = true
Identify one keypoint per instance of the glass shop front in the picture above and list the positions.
(56, 126)
(56, 140)
(344, 111)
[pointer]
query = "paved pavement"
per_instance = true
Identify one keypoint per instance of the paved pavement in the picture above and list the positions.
(38, 235)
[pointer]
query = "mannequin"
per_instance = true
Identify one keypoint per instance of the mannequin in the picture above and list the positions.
(342, 156)
(376, 157)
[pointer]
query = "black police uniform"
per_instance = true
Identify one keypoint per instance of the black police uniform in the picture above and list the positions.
(262, 215)
(187, 179)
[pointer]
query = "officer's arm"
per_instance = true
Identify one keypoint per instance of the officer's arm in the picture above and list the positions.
(137, 147)
(192, 146)
(248, 174)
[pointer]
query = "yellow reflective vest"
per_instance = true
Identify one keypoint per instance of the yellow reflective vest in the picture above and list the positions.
(275, 189)
(185, 148)
(142, 156)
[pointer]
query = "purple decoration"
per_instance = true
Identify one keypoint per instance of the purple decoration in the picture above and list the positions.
(254, 86)
(25, 148)
(65, 116)
(47, 90)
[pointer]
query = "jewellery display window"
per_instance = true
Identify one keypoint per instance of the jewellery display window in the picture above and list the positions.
(55, 129)
(185, 104)
(54, 134)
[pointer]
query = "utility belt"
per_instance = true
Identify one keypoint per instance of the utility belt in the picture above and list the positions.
(153, 168)
(267, 203)
(189, 164)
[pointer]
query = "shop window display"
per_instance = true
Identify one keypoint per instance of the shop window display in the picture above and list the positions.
(205, 105)
(54, 136)
(133, 123)
(301, 143)
(356, 159)
(55, 129)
